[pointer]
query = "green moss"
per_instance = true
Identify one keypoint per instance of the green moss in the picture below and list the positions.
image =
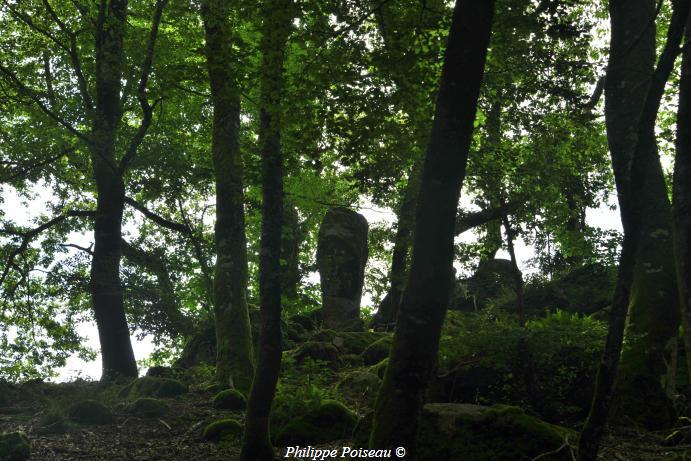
(230, 399)
(348, 342)
(499, 433)
(377, 351)
(330, 421)
(90, 412)
(318, 351)
(51, 423)
(359, 388)
(14, 446)
(148, 407)
(149, 386)
(223, 429)
(380, 368)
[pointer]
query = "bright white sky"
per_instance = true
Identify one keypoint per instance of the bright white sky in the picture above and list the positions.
(24, 212)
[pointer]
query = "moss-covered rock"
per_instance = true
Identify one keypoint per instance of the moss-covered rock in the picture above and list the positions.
(90, 412)
(377, 351)
(380, 368)
(330, 421)
(359, 388)
(14, 446)
(348, 342)
(148, 407)
(318, 351)
(498, 433)
(213, 388)
(223, 429)
(307, 323)
(230, 399)
(149, 386)
(51, 423)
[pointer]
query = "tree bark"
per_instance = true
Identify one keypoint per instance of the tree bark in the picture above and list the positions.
(277, 23)
(681, 205)
(234, 353)
(633, 216)
(105, 287)
(646, 379)
(425, 300)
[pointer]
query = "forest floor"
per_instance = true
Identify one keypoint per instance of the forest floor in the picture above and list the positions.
(178, 434)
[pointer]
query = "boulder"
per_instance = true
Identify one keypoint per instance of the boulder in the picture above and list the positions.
(223, 429)
(230, 399)
(149, 386)
(51, 423)
(330, 421)
(359, 388)
(348, 342)
(90, 412)
(14, 446)
(148, 407)
(497, 433)
(318, 352)
(492, 279)
(341, 257)
(377, 351)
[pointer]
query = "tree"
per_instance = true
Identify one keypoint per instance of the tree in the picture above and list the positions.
(110, 156)
(646, 379)
(424, 303)
(632, 200)
(234, 350)
(277, 22)
(681, 199)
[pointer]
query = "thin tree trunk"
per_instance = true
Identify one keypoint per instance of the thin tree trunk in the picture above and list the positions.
(633, 215)
(426, 297)
(682, 194)
(517, 277)
(292, 238)
(106, 290)
(234, 350)
(277, 22)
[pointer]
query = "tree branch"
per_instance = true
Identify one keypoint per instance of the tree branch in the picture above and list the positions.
(34, 96)
(160, 220)
(147, 109)
(467, 221)
(28, 236)
(18, 174)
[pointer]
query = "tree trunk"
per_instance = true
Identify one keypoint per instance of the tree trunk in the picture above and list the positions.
(426, 297)
(645, 383)
(234, 351)
(682, 194)
(633, 216)
(277, 22)
(106, 290)
(292, 237)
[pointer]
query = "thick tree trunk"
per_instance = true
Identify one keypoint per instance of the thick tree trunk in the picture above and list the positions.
(645, 382)
(277, 22)
(633, 216)
(106, 291)
(682, 194)
(426, 297)
(234, 351)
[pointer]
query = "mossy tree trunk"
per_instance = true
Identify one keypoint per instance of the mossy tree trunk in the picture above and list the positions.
(425, 300)
(682, 193)
(277, 18)
(646, 378)
(234, 351)
(633, 214)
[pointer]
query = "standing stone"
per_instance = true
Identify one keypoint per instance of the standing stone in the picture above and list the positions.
(341, 259)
